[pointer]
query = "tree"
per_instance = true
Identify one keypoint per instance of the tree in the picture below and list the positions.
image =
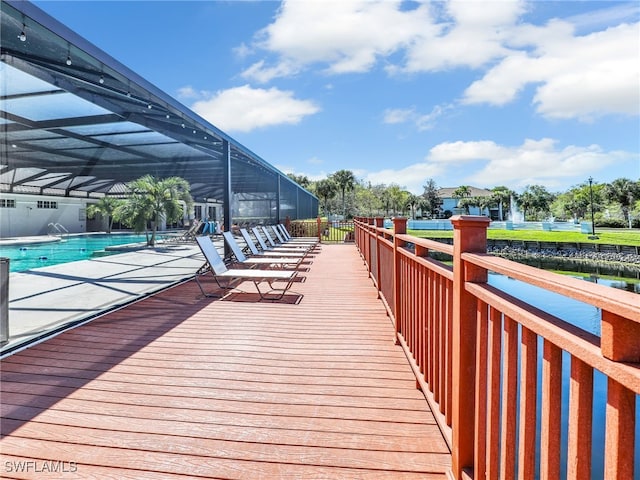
(152, 199)
(106, 206)
(431, 201)
(301, 180)
(366, 200)
(346, 183)
(462, 192)
(412, 202)
(326, 189)
(502, 196)
(625, 193)
(536, 201)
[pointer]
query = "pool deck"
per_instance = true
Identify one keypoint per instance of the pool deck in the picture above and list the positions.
(43, 300)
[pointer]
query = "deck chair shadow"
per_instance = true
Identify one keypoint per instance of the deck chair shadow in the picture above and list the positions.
(273, 262)
(227, 279)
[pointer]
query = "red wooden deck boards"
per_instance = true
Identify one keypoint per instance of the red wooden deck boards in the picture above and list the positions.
(179, 385)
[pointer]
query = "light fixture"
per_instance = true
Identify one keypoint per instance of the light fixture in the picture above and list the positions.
(23, 35)
(68, 62)
(168, 116)
(149, 107)
(101, 79)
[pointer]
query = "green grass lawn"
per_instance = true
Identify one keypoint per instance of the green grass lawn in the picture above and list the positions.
(611, 236)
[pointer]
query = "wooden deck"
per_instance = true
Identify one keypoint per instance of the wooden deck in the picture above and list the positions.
(185, 386)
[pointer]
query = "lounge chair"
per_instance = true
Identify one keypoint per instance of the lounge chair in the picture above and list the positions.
(227, 278)
(241, 258)
(272, 246)
(187, 236)
(287, 236)
(253, 249)
(293, 246)
(294, 243)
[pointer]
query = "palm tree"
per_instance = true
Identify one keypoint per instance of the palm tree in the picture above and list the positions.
(502, 196)
(624, 192)
(462, 192)
(412, 202)
(346, 183)
(151, 200)
(106, 207)
(326, 189)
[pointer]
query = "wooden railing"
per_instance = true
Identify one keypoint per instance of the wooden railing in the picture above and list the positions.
(474, 351)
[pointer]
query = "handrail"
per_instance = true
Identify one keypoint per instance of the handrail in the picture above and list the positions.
(463, 335)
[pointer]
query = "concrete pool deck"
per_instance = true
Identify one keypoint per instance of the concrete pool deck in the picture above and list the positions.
(45, 300)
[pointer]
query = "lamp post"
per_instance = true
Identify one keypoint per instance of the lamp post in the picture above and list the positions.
(593, 223)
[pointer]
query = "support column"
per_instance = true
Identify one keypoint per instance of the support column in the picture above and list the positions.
(227, 193)
(470, 235)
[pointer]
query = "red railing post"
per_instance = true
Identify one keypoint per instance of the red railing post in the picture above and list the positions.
(470, 235)
(399, 227)
(619, 338)
(319, 222)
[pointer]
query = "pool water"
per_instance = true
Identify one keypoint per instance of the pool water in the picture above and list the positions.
(69, 249)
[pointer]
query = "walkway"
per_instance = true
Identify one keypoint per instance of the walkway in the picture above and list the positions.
(44, 299)
(181, 385)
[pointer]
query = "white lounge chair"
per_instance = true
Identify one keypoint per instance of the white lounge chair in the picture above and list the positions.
(290, 262)
(227, 278)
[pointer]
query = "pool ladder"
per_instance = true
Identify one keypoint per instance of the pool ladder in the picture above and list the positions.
(55, 229)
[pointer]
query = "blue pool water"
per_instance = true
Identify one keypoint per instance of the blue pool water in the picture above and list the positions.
(69, 249)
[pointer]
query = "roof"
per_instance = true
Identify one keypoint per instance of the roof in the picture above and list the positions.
(75, 121)
(475, 192)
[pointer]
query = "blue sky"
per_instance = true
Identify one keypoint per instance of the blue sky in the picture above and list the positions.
(465, 92)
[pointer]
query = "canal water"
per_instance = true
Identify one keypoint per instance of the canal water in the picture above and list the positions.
(586, 317)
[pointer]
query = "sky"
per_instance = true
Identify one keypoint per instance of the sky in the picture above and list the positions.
(480, 93)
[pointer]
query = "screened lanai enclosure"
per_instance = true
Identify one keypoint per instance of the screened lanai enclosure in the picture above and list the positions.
(77, 125)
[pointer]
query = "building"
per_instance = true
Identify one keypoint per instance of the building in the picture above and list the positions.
(449, 202)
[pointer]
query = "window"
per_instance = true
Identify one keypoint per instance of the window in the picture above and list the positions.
(7, 203)
(47, 204)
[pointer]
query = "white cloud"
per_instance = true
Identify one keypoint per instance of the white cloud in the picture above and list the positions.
(411, 115)
(575, 76)
(187, 92)
(411, 177)
(488, 164)
(347, 36)
(470, 35)
(533, 162)
(578, 77)
(245, 108)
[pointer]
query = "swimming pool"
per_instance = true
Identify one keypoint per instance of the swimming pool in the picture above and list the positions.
(68, 249)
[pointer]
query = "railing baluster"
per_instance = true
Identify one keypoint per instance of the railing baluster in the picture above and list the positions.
(493, 394)
(528, 396)
(580, 420)
(621, 411)
(480, 429)
(509, 399)
(550, 413)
